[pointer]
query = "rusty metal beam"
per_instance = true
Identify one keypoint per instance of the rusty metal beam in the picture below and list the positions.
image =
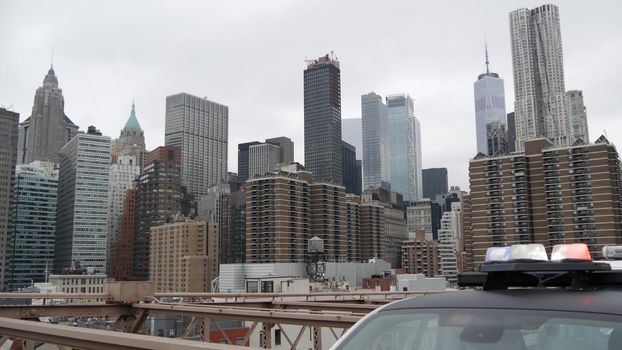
(95, 339)
(310, 318)
(86, 310)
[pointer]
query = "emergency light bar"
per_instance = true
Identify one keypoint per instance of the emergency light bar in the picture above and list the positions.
(537, 253)
(527, 265)
(613, 252)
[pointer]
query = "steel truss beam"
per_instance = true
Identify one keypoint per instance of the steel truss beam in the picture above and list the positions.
(86, 310)
(305, 318)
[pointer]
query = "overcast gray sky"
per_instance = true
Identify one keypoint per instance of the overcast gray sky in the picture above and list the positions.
(250, 56)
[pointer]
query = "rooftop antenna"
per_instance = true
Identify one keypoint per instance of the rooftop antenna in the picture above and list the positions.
(52, 65)
(486, 50)
(605, 131)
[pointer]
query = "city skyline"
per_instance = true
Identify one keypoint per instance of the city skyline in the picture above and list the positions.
(430, 75)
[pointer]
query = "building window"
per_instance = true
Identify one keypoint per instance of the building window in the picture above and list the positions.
(267, 286)
(277, 337)
(251, 287)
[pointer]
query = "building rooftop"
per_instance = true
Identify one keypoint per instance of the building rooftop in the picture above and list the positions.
(132, 122)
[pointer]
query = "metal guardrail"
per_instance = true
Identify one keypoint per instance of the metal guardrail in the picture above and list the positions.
(93, 339)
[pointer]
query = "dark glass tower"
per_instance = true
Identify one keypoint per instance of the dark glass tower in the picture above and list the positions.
(322, 108)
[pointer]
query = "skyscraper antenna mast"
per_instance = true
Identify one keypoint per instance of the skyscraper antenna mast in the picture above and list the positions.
(486, 51)
(52, 65)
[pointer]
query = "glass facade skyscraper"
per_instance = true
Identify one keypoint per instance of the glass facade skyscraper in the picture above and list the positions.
(489, 108)
(376, 161)
(34, 208)
(322, 113)
(405, 147)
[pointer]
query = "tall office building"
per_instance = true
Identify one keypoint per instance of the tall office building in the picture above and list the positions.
(547, 194)
(82, 206)
(405, 147)
(352, 133)
(511, 132)
(578, 115)
(262, 158)
(286, 148)
(34, 228)
(349, 176)
(124, 170)
(322, 113)
(540, 102)
(243, 159)
(48, 129)
(375, 133)
(435, 182)
(9, 122)
(131, 141)
(489, 110)
(159, 195)
(199, 128)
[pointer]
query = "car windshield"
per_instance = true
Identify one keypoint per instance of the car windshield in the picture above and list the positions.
(466, 329)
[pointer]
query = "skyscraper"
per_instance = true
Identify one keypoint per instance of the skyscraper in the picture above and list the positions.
(375, 133)
(262, 158)
(286, 147)
(123, 172)
(540, 106)
(352, 133)
(511, 132)
(9, 122)
(82, 206)
(578, 115)
(348, 163)
(243, 159)
(34, 208)
(434, 182)
(322, 112)
(158, 201)
(405, 147)
(489, 108)
(199, 128)
(131, 141)
(48, 129)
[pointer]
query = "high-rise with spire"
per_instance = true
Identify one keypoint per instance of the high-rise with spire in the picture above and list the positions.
(541, 105)
(48, 129)
(490, 117)
(131, 141)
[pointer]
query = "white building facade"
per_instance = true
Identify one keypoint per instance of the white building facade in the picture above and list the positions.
(262, 159)
(449, 237)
